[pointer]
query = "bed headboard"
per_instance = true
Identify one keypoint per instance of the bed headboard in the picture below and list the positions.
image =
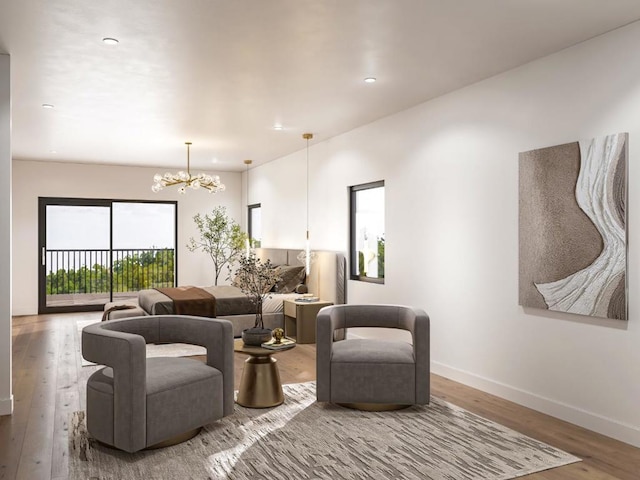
(328, 269)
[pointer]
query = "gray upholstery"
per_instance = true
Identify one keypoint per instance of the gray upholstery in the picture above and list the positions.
(368, 370)
(137, 402)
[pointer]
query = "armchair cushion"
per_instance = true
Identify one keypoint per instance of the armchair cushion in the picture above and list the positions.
(181, 396)
(360, 350)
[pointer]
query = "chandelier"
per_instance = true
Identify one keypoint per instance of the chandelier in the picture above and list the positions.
(185, 179)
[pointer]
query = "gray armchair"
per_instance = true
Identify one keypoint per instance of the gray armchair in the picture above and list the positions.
(372, 373)
(137, 402)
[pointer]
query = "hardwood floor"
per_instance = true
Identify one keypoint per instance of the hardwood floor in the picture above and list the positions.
(49, 384)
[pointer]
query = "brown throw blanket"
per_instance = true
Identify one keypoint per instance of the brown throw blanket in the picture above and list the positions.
(191, 301)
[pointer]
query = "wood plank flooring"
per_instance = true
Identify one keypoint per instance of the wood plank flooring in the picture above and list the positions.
(49, 384)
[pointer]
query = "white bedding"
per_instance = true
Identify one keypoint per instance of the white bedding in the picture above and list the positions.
(274, 302)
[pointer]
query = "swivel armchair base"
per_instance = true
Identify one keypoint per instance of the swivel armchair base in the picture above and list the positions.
(374, 407)
(183, 437)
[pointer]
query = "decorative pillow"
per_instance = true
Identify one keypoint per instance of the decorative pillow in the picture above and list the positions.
(273, 287)
(290, 278)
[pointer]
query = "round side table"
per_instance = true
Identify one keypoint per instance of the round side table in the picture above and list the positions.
(260, 386)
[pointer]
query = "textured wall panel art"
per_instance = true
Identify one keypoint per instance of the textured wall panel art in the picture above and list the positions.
(573, 229)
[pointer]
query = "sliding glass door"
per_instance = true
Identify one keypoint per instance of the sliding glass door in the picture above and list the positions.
(144, 239)
(76, 255)
(95, 251)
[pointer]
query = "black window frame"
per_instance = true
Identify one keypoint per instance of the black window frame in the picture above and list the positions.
(353, 252)
(250, 224)
(43, 202)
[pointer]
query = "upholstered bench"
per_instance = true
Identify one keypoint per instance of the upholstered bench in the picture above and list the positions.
(122, 309)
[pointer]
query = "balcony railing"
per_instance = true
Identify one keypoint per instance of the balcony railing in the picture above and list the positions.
(100, 275)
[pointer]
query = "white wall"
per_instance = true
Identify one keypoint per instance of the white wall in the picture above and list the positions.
(450, 168)
(46, 179)
(6, 396)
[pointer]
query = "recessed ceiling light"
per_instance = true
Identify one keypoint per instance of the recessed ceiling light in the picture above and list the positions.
(278, 127)
(110, 41)
(214, 160)
(370, 80)
(54, 152)
(47, 105)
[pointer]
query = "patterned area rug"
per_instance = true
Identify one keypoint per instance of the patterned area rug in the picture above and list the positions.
(303, 439)
(153, 350)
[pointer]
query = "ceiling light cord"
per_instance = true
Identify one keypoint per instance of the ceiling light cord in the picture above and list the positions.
(247, 242)
(307, 252)
(307, 138)
(189, 159)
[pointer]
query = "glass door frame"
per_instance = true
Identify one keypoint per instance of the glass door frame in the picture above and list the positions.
(43, 202)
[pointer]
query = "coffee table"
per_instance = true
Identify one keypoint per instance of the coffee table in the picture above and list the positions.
(260, 386)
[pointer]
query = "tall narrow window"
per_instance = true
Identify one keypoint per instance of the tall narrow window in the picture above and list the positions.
(367, 232)
(255, 225)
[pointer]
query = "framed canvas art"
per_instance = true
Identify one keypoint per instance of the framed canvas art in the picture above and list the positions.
(573, 227)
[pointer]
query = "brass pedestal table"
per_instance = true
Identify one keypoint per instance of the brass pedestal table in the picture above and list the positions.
(260, 386)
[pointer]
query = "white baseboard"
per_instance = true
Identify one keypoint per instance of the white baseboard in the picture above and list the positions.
(6, 406)
(606, 426)
(20, 312)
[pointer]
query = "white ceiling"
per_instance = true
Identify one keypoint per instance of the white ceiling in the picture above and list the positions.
(221, 73)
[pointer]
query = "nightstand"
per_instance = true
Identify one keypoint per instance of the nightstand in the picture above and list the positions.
(300, 319)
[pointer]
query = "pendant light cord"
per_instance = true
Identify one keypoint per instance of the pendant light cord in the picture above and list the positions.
(307, 188)
(248, 240)
(188, 159)
(307, 250)
(307, 137)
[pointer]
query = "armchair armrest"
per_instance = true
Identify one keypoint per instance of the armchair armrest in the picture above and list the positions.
(416, 321)
(328, 320)
(125, 353)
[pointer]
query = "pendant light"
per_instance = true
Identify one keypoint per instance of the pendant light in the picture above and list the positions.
(248, 240)
(307, 251)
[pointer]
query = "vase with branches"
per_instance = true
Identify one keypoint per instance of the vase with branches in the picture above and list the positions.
(220, 237)
(255, 278)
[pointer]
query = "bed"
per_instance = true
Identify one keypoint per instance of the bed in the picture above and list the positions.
(326, 281)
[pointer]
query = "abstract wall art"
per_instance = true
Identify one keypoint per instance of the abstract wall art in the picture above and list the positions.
(573, 227)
